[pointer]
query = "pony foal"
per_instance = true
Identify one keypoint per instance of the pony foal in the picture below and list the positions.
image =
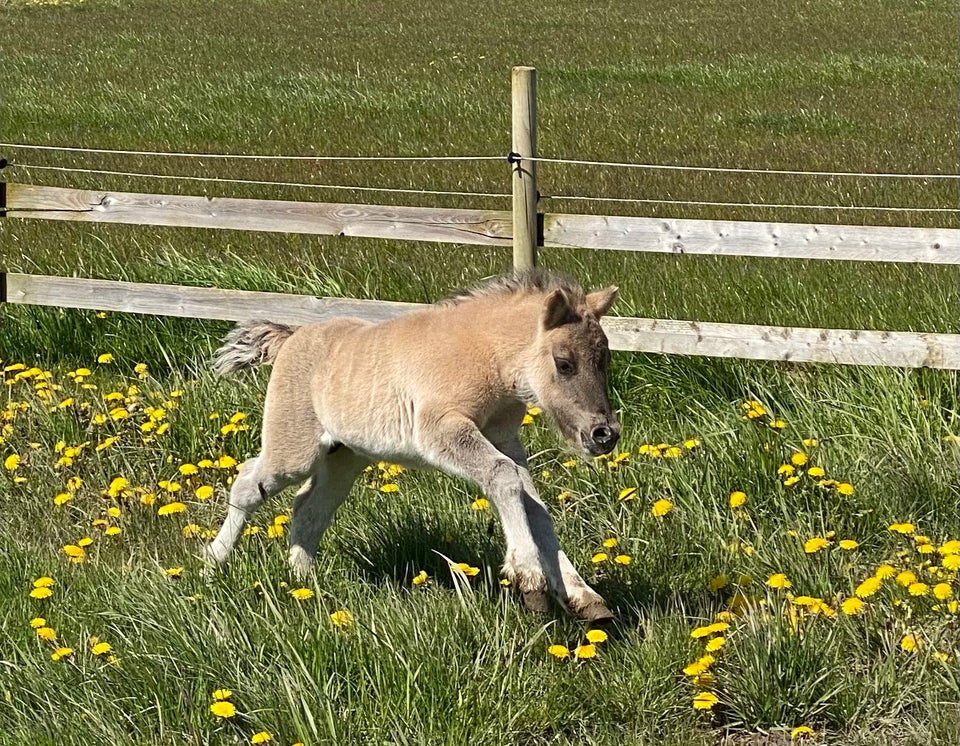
(445, 387)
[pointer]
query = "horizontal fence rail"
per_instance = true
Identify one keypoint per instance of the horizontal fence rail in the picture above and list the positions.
(486, 227)
(493, 227)
(799, 345)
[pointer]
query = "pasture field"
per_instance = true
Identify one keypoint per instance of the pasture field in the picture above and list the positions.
(781, 543)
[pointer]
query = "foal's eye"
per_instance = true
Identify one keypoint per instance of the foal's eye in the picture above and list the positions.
(565, 367)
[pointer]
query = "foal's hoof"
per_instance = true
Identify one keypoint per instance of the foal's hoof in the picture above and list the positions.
(536, 601)
(597, 614)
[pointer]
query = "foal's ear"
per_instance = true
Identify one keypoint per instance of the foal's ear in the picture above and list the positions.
(558, 310)
(599, 301)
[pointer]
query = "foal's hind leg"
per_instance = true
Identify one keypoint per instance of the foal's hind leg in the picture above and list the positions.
(316, 504)
(256, 482)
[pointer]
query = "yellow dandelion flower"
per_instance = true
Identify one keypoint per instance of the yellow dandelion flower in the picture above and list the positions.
(868, 587)
(906, 578)
(11, 462)
(342, 619)
(481, 503)
(221, 694)
(790, 481)
(705, 701)
(41, 593)
(737, 498)
(691, 444)
(918, 589)
(47, 633)
(596, 636)
(559, 651)
(599, 557)
(942, 591)
(715, 644)
(848, 544)
(582, 652)
(814, 545)
(420, 578)
(610, 543)
(910, 642)
(117, 486)
(226, 462)
(302, 594)
(851, 606)
(661, 507)
(105, 359)
(223, 709)
(950, 547)
(951, 562)
(261, 737)
(802, 732)
(623, 559)
(113, 531)
(845, 488)
(390, 487)
(902, 528)
(61, 653)
(885, 571)
(44, 581)
(173, 572)
(37, 622)
(171, 509)
(467, 569)
(798, 459)
(627, 493)
(778, 424)
(785, 469)
(816, 472)
(73, 551)
(100, 648)
(204, 492)
(779, 580)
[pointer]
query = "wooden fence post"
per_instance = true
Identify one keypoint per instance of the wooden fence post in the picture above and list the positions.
(524, 110)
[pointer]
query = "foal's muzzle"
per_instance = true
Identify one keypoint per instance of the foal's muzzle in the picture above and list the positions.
(601, 438)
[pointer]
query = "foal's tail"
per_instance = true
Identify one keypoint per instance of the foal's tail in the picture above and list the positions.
(250, 344)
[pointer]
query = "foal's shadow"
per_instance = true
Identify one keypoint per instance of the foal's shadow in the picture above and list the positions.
(402, 547)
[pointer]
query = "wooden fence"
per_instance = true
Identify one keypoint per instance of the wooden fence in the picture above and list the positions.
(495, 228)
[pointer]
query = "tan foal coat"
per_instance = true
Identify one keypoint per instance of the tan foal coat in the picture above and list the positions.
(445, 387)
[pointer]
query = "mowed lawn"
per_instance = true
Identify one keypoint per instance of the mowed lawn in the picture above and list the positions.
(781, 543)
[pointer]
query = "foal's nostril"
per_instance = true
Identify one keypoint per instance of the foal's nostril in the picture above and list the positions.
(603, 435)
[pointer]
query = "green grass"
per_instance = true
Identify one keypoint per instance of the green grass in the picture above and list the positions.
(858, 86)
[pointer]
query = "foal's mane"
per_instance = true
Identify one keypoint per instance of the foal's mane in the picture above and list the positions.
(528, 281)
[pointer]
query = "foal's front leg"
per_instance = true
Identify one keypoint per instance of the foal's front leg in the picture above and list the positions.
(572, 590)
(455, 445)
